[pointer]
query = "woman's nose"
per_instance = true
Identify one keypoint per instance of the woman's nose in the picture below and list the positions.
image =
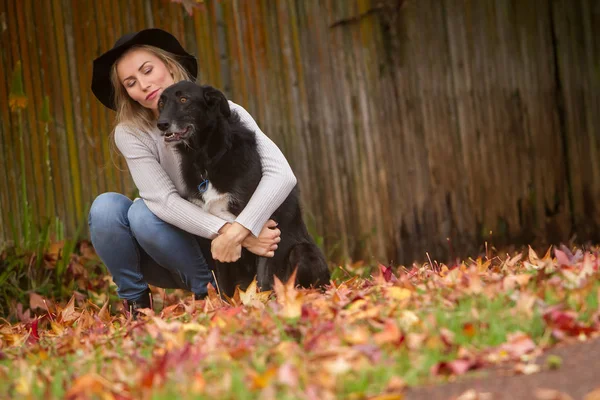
(144, 85)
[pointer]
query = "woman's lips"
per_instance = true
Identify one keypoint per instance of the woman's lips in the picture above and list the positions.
(152, 95)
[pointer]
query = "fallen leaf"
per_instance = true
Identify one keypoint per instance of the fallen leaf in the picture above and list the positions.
(469, 329)
(288, 297)
(390, 334)
(287, 374)
(472, 394)
(260, 381)
(565, 322)
(396, 384)
(527, 369)
(104, 314)
(525, 304)
(518, 344)
(397, 293)
(68, 313)
(88, 385)
(551, 394)
(252, 294)
(593, 395)
(512, 281)
(198, 383)
(562, 258)
(455, 367)
(36, 301)
(390, 396)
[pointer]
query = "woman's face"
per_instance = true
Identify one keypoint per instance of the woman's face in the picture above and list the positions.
(144, 76)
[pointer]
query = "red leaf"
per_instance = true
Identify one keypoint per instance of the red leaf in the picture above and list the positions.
(565, 322)
(455, 367)
(518, 345)
(34, 336)
(387, 273)
(562, 258)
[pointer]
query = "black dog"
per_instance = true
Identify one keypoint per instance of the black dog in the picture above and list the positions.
(221, 169)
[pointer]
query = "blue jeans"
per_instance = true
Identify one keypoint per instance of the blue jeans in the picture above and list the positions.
(139, 249)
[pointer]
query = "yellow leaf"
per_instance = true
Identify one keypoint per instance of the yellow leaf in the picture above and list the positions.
(391, 396)
(398, 293)
(533, 257)
(288, 297)
(513, 280)
(90, 384)
(548, 256)
(483, 267)
(262, 380)
(103, 314)
(194, 327)
(198, 383)
(23, 386)
(218, 322)
(357, 335)
(56, 328)
(252, 293)
(408, 319)
(13, 339)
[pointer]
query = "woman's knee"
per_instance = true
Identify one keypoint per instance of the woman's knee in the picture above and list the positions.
(108, 209)
(142, 221)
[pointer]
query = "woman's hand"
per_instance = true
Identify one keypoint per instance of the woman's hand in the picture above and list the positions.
(266, 243)
(227, 247)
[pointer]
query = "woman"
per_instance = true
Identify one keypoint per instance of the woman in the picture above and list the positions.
(162, 239)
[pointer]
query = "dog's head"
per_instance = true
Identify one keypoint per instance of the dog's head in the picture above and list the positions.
(186, 108)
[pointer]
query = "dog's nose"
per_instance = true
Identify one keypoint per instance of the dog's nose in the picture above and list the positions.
(163, 125)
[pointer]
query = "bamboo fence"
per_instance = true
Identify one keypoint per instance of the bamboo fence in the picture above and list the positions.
(414, 127)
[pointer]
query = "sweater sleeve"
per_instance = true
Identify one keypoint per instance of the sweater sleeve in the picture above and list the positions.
(158, 191)
(276, 183)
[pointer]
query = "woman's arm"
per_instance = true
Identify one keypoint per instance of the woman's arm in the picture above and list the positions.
(276, 183)
(158, 191)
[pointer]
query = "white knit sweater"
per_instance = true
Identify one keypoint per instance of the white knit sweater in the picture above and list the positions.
(155, 171)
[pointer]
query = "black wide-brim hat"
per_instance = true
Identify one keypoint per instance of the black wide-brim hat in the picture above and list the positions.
(101, 84)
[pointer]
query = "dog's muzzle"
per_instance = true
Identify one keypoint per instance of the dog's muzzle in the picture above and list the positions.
(175, 135)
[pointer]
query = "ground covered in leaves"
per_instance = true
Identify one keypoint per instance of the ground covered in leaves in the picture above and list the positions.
(374, 333)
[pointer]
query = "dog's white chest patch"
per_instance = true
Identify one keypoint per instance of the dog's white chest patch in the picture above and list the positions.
(215, 203)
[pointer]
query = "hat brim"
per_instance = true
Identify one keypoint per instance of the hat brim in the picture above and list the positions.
(101, 84)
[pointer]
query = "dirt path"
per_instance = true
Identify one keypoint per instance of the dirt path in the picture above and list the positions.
(578, 375)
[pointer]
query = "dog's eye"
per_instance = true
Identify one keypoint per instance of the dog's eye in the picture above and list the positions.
(183, 99)
(161, 104)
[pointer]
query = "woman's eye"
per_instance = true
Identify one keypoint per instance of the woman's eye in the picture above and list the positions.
(183, 99)
(147, 71)
(130, 83)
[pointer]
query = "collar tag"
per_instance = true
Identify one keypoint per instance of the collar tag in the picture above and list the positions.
(203, 186)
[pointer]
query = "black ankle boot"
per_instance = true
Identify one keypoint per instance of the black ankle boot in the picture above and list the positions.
(144, 301)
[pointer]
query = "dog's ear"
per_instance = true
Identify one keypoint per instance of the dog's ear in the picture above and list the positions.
(217, 100)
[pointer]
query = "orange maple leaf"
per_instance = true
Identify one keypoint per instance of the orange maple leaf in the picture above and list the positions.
(288, 297)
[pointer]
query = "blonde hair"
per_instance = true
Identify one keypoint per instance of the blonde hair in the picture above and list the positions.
(130, 111)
